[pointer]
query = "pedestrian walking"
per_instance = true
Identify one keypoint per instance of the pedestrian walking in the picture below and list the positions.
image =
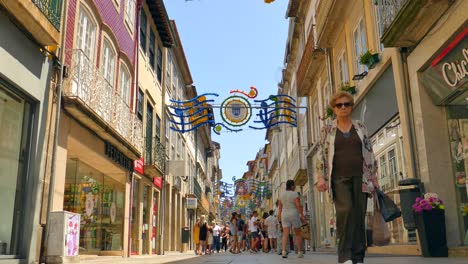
(209, 241)
(240, 232)
(291, 215)
(234, 231)
(216, 236)
(224, 238)
(272, 223)
(203, 234)
(253, 229)
(196, 235)
(346, 157)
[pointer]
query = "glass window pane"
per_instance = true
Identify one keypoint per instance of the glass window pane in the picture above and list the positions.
(14, 118)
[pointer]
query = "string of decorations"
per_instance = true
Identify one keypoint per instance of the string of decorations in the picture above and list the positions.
(235, 112)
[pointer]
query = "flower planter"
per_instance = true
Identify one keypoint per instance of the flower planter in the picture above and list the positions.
(373, 60)
(431, 232)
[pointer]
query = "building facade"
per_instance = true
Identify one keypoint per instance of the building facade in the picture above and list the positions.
(415, 86)
(29, 80)
(100, 135)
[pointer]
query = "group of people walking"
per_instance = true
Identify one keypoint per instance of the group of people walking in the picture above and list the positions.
(345, 167)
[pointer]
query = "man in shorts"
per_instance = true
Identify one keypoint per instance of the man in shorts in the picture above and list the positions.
(253, 232)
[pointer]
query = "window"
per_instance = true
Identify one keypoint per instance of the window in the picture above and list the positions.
(393, 169)
(182, 153)
(140, 100)
(159, 67)
(124, 84)
(379, 23)
(383, 167)
(108, 62)
(174, 82)
(158, 127)
(168, 71)
(16, 117)
(316, 116)
(151, 49)
(360, 46)
(343, 69)
(86, 39)
(130, 12)
(179, 144)
(143, 24)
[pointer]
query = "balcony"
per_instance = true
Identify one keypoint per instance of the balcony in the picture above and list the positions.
(91, 100)
(297, 166)
(329, 17)
(311, 63)
(197, 189)
(155, 158)
(404, 23)
(41, 18)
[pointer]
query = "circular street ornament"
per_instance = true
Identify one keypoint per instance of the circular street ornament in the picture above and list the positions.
(236, 110)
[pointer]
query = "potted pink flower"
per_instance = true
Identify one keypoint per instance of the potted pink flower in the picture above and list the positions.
(430, 222)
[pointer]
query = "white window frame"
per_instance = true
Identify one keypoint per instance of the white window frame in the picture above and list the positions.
(130, 13)
(360, 45)
(108, 61)
(168, 72)
(125, 82)
(378, 28)
(316, 121)
(343, 72)
(86, 33)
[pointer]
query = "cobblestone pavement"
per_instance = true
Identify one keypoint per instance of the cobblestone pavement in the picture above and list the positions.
(268, 258)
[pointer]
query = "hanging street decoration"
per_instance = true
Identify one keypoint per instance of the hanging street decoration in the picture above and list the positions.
(190, 115)
(236, 111)
(277, 109)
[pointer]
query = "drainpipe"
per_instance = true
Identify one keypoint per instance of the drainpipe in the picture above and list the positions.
(408, 107)
(56, 131)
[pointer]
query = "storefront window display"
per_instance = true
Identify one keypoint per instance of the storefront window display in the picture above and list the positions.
(458, 133)
(100, 201)
(388, 149)
(154, 221)
(135, 214)
(15, 115)
(146, 212)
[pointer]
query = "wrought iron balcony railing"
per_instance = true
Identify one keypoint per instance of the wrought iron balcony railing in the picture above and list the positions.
(155, 154)
(387, 11)
(52, 9)
(86, 83)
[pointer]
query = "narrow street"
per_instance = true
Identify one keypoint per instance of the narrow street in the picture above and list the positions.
(247, 258)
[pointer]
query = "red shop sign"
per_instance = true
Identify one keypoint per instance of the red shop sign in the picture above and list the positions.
(139, 165)
(157, 181)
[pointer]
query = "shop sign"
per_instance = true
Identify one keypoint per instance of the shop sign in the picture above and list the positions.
(157, 181)
(192, 203)
(448, 72)
(139, 165)
(118, 157)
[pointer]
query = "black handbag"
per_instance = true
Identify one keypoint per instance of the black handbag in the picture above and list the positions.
(388, 208)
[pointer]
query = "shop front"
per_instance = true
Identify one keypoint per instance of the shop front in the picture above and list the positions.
(446, 82)
(382, 118)
(100, 199)
(144, 215)
(93, 176)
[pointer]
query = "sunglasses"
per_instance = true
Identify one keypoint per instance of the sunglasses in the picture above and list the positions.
(346, 105)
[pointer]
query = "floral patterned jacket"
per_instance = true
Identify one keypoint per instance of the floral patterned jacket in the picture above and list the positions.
(326, 152)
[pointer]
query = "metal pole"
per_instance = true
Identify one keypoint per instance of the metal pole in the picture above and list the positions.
(56, 129)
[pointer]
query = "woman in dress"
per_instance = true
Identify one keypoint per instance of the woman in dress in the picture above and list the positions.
(196, 235)
(203, 233)
(347, 161)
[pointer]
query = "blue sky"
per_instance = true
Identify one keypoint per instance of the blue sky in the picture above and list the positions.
(233, 44)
